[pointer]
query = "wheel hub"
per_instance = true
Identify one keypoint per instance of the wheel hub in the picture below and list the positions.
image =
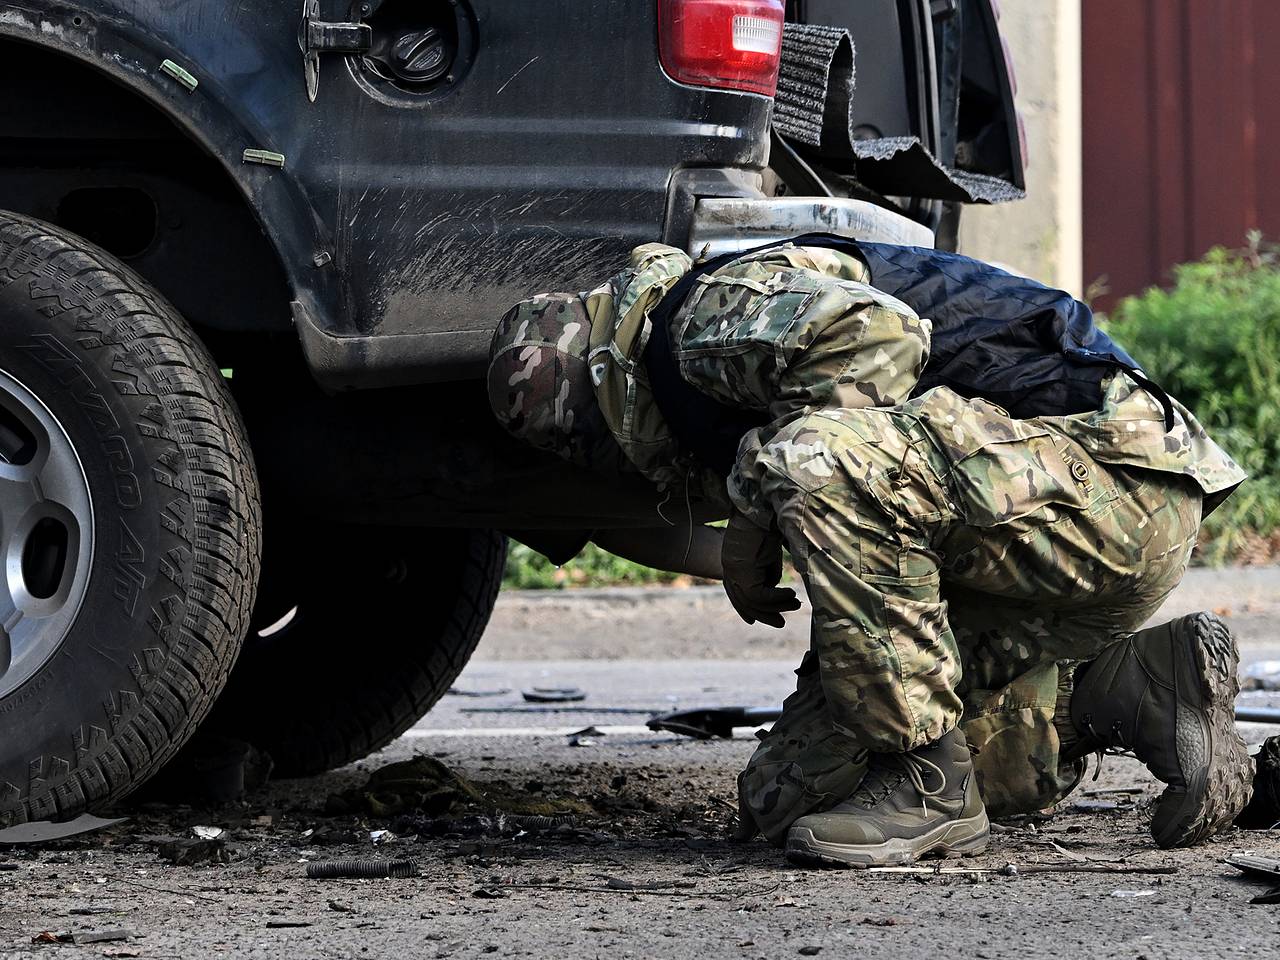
(46, 534)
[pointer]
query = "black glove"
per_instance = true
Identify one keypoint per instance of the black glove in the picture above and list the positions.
(752, 560)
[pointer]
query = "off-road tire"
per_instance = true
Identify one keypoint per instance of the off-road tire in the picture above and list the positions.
(386, 618)
(175, 516)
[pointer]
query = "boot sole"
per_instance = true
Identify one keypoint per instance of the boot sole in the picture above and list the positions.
(955, 838)
(1221, 789)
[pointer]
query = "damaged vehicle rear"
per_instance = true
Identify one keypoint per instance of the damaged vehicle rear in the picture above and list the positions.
(250, 261)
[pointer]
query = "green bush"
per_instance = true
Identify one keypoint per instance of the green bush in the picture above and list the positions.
(1213, 341)
(529, 570)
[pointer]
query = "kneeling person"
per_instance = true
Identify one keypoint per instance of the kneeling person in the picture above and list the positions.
(984, 496)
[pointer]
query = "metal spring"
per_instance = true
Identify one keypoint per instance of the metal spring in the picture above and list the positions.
(361, 869)
(541, 823)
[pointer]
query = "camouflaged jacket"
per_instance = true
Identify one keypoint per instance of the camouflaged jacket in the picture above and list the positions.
(784, 331)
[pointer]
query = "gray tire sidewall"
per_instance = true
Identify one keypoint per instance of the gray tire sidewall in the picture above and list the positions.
(114, 690)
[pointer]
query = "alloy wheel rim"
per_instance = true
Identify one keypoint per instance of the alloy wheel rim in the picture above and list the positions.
(46, 534)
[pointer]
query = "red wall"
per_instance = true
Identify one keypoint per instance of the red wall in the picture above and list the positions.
(1181, 133)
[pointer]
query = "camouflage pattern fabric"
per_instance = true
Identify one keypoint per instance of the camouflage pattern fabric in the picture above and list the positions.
(788, 330)
(539, 386)
(800, 323)
(959, 561)
(959, 564)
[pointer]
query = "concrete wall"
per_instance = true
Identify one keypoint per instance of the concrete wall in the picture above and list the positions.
(1041, 235)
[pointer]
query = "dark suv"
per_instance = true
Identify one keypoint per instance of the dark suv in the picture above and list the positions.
(250, 258)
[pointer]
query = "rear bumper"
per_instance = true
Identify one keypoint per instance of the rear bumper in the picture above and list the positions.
(728, 224)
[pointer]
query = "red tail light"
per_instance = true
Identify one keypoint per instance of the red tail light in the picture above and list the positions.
(733, 44)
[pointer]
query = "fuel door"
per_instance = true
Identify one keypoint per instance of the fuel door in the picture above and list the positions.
(396, 47)
(317, 36)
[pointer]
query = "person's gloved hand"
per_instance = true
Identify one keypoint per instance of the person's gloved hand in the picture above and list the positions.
(752, 561)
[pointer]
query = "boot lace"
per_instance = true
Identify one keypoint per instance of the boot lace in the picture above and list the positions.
(1116, 736)
(888, 771)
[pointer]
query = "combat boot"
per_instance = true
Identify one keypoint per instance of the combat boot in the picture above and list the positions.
(1167, 694)
(908, 805)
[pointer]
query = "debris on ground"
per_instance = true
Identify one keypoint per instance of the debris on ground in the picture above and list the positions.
(43, 831)
(421, 784)
(183, 852)
(1265, 868)
(493, 826)
(553, 694)
(1259, 868)
(201, 832)
(83, 936)
(424, 786)
(1100, 806)
(331, 836)
(709, 723)
(1136, 791)
(585, 737)
(361, 869)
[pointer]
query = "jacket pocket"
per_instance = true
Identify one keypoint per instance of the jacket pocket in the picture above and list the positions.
(1007, 479)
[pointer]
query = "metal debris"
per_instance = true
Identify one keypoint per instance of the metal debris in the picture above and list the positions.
(42, 831)
(710, 722)
(1267, 868)
(361, 869)
(553, 695)
(83, 936)
(461, 692)
(1099, 806)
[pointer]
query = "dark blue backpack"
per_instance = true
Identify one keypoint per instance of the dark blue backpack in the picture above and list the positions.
(1031, 349)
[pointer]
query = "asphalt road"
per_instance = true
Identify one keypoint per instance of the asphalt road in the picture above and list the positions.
(648, 869)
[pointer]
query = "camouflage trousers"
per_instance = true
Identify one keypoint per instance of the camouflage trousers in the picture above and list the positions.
(955, 577)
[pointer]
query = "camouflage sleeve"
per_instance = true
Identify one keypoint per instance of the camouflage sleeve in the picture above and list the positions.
(787, 339)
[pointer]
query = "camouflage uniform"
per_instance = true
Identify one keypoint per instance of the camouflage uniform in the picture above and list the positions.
(959, 562)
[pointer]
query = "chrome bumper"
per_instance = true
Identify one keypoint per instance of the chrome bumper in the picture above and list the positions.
(727, 224)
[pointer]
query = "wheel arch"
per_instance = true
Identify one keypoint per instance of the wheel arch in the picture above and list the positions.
(125, 53)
